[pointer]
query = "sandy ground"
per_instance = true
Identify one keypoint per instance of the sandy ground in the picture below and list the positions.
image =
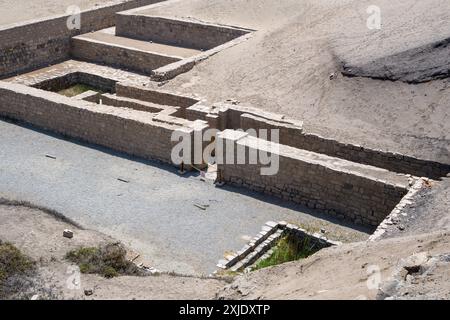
(344, 272)
(12, 11)
(39, 235)
(286, 68)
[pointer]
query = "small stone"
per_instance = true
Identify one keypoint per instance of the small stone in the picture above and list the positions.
(68, 233)
(323, 230)
(271, 224)
(222, 262)
(387, 289)
(88, 292)
(282, 224)
(414, 263)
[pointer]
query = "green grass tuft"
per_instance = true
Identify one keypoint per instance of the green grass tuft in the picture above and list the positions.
(76, 90)
(287, 249)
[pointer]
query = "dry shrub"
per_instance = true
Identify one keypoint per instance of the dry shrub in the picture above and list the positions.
(109, 260)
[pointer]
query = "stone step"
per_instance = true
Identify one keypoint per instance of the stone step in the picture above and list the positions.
(140, 56)
(258, 251)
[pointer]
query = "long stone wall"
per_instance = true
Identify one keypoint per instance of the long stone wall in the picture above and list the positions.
(384, 159)
(119, 56)
(292, 134)
(70, 79)
(130, 131)
(153, 96)
(360, 193)
(182, 33)
(30, 45)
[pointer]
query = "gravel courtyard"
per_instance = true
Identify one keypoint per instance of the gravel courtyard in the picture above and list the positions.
(154, 212)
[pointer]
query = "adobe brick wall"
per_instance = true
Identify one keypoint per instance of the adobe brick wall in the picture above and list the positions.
(31, 45)
(130, 131)
(182, 33)
(296, 137)
(316, 181)
(70, 79)
(378, 158)
(148, 94)
(291, 133)
(119, 56)
(121, 102)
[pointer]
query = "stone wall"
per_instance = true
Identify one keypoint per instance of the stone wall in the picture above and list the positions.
(119, 56)
(153, 96)
(130, 131)
(35, 44)
(383, 159)
(121, 102)
(398, 218)
(291, 133)
(335, 186)
(202, 36)
(70, 79)
(296, 137)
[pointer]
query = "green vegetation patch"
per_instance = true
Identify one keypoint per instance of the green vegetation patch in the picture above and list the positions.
(13, 262)
(288, 248)
(77, 89)
(109, 261)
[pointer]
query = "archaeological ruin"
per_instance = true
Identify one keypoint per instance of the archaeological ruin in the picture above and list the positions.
(103, 84)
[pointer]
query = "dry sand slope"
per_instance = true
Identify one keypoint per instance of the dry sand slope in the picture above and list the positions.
(286, 68)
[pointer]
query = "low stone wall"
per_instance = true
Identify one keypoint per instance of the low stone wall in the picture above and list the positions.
(383, 159)
(201, 36)
(91, 96)
(130, 131)
(153, 96)
(291, 133)
(336, 186)
(119, 56)
(228, 116)
(30, 45)
(70, 79)
(122, 102)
